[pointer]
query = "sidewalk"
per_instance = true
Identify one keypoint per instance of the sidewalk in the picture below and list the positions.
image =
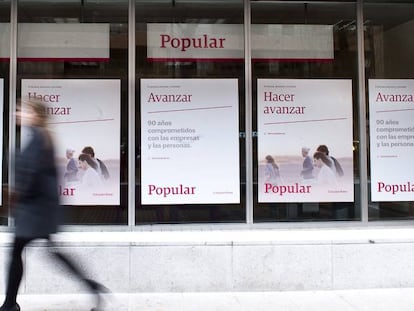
(341, 300)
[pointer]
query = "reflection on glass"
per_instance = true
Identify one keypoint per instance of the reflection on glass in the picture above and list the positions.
(192, 50)
(296, 30)
(74, 56)
(388, 56)
(4, 99)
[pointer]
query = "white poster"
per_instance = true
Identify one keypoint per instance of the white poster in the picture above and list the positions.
(391, 114)
(189, 141)
(85, 123)
(305, 150)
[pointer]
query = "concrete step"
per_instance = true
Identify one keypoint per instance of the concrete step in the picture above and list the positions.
(401, 299)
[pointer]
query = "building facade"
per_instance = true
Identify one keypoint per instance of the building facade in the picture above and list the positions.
(207, 115)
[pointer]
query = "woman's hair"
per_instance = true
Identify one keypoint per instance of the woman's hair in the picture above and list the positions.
(323, 148)
(271, 160)
(322, 156)
(88, 159)
(39, 109)
(89, 150)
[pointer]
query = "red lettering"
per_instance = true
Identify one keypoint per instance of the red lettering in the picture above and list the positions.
(173, 190)
(270, 96)
(164, 40)
(175, 43)
(204, 42)
(284, 189)
(47, 98)
(395, 188)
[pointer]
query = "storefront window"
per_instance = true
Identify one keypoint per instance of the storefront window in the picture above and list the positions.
(304, 81)
(390, 87)
(190, 108)
(74, 56)
(4, 107)
(190, 112)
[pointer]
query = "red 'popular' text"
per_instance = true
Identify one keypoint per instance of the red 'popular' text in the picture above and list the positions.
(203, 42)
(395, 188)
(171, 190)
(285, 189)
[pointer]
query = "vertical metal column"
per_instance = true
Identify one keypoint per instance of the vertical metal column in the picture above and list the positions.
(131, 114)
(12, 96)
(248, 111)
(363, 147)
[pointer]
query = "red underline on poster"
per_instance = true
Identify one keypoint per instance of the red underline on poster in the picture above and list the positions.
(304, 121)
(178, 59)
(396, 110)
(190, 109)
(292, 60)
(83, 121)
(238, 60)
(56, 59)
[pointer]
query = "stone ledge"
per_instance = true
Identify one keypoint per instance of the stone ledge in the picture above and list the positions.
(232, 237)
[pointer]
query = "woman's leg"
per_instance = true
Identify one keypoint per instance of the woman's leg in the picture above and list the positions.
(94, 287)
(15, 271)
(65, 260)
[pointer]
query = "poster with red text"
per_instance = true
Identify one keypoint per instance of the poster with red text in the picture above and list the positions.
(189, 141)
(391, 115)
(84, 118)
(305, 140)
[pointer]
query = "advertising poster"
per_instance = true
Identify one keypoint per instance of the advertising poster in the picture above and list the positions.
(84, 120)
(391, 115)
(305, 142)
(189, 141)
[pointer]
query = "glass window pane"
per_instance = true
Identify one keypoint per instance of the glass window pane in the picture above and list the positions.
(74, 55)
(305, 90)
(194, 56)
(390, 77)
(4, 106)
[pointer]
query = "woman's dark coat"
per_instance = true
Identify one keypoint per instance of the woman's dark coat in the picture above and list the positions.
(37, 210)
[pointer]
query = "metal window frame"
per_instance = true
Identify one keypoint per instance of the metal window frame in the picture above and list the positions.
(12, 99)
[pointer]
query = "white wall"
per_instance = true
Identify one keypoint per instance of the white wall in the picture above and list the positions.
(250, 260)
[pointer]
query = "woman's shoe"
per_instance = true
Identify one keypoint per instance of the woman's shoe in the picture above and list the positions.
(16, 307)
(98, 290)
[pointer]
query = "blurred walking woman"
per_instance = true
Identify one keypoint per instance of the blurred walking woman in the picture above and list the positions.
(37, 210)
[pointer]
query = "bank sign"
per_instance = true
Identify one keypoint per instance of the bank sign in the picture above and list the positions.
(225, 42)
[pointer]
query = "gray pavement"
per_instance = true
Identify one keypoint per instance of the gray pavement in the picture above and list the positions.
(398, 299)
